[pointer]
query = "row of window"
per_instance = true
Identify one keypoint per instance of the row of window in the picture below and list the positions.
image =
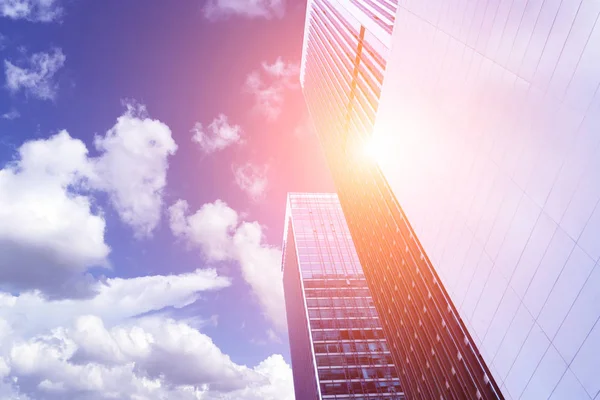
(340, 359)
(350, 347)
(359, 323)
(326, 262)
(343, 334)
(323, 256)
(365, 396)
(325, 272)
(343, 242)
(334, 374)
(326, 258)
(338, 292)
(324, 253)
(333, 281)
(331, 268)
(340, 302)
(339, 313)
(303, 222)
(303, 236)
(306, 224)
(328, 388)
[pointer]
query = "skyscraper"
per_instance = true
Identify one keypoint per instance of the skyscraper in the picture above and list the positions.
(346, 47)
(492, 113)
(337, 345)
(485, 129)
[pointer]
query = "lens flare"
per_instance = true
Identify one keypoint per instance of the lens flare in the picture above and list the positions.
(375, 149)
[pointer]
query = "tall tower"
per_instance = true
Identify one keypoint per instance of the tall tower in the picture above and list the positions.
(345, 53)
(337, 345)
(489, 118)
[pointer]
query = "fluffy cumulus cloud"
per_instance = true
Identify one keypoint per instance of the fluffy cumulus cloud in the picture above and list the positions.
(132, 167)
(51, 230)
(32, 10)
(35, 77)
(218, 9)
(269, 84)
(99, 348)
(49, 234)
(218, 135)
(218, 230)
(252, 179)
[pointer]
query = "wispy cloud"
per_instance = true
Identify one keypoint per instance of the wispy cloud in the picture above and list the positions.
(36, 76)
(268, 86)
(252, 179)
(31, 10)
(10, 115)
(219, 232)
(273, 336)
(219, 9)
(218, 135)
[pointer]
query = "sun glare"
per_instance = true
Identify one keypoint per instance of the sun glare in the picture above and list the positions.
(375, 149)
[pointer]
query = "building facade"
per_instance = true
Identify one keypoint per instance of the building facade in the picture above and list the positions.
(337, 345)
(491, 111)
(346, 48)
(487, 133)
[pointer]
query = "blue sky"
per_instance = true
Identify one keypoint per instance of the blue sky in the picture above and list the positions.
(146, 148)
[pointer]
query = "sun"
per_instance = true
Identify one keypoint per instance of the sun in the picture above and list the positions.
(375, 149)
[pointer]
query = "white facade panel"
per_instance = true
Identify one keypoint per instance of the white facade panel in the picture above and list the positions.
(489, 125)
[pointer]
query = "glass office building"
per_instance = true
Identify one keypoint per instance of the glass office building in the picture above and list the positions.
(491, 115)
(336, 340)
(487, 134)
(346, 50)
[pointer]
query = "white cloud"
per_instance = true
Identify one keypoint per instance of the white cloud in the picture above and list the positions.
(10, 115)
(32, 10)
(133, 167)
(210, 227)
(97, 349)
(150, 358)
(252, 179)
(281, 69)
(37, 78)
(217, 9)
(50, 234)
(269, 84)
(116, 299)
(219, 135)
(218, 231)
